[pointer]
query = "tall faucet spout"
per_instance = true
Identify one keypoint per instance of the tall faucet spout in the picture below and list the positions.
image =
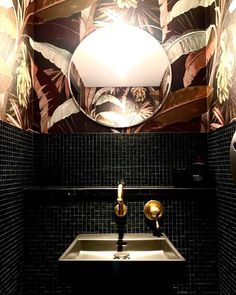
(120, 208)
(120, 193)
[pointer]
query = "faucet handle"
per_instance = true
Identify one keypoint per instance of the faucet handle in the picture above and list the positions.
(121, 210)
(154, 210)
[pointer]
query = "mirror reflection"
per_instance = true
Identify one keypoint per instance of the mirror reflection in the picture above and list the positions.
(115, 85)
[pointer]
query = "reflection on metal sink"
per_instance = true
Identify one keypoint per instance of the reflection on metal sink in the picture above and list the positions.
(142, 255)
(132, 247)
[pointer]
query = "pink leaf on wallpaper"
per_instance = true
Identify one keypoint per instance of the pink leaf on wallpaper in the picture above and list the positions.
(64, 33)
(196, 61)
(59, 79)
(217, 113)
(215, 126)
(44, 10)
(185, 104)
(163, 17)
(47, 94)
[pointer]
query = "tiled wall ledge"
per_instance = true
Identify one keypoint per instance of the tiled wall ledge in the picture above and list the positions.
(130, 188)
(109, 193)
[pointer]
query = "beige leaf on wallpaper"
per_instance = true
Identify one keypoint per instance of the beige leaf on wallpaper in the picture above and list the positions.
(107, 105)
(13, 121)
(179, 45)
(112, 119)
(185, 104)
(183, 6)
(15, 118)
(27, 2)
(115, 131)
(87, 19)
(5, 83)
(108, 98)
(64, 110)
(2, 106)
(102, 91)
(58, 56)
(89, 93)
(52, 9)
(5, 76)
(8, 22)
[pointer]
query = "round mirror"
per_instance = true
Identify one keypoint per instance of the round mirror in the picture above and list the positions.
(119, 76)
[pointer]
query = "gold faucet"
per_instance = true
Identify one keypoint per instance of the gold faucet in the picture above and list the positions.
(120, 208)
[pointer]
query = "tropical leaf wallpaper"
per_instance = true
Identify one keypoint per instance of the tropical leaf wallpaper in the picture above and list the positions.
(38, 40)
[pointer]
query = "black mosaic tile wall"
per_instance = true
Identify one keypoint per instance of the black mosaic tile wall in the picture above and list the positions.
(103, 159)
(219, 163)
(16, 166)
(52, 222)
(53, 219)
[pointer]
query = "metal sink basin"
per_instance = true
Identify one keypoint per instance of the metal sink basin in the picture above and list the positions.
(134, 256)
(96, 247)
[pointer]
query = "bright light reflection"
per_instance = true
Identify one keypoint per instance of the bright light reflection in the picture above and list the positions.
(232, 6)
(120, 55)
(6, 3)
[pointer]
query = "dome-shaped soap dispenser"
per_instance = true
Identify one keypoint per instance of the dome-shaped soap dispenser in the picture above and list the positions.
(198, 171)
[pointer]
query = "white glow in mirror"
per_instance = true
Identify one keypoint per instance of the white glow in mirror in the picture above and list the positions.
(232, 6)
(6, 3)
(120, 55)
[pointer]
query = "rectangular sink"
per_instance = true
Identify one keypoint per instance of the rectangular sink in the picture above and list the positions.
(97, 247)
(135, 257)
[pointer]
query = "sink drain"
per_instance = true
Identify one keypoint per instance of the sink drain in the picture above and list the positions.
(121, 255)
